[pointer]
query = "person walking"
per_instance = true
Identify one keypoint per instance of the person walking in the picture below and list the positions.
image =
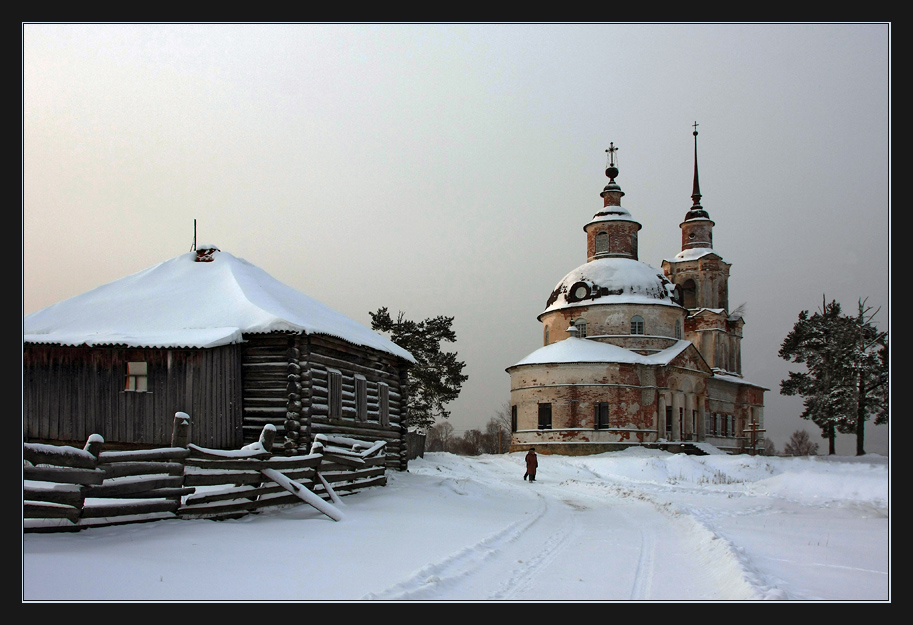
(532, 462)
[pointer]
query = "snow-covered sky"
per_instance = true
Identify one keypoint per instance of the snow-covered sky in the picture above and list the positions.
(636, 525)
(449, 169)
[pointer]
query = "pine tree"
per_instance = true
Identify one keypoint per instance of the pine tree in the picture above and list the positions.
(871, 373)
(846, 380)
(437, 378)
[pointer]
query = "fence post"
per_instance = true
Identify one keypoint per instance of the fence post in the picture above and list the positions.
(267, 436)
(93, 444)
(180, 430)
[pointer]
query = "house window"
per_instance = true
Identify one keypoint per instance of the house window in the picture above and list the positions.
(602, 415)
(361, 398)
(137, 377)
(545, 416)
(513, 418)
(637, 324)
(335, 383)
(580, 324)
(383, 394)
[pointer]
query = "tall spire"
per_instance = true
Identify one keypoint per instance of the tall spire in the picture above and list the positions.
(697, 211)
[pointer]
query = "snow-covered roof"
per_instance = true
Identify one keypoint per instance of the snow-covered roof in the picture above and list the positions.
(612, 281)
(573, 350)
(693, 253)
(184, 303)
(612, 213)
(725, 377)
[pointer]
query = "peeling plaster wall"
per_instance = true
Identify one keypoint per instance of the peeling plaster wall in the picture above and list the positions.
(614, 320)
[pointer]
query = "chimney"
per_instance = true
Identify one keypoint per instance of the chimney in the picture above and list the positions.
(205, 253)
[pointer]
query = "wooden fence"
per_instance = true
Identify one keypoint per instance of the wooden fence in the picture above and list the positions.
(69, 489)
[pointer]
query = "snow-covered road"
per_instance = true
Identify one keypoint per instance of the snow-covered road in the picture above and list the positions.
(574, 538)
(625, 526)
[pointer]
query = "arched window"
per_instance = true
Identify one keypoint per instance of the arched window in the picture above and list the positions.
(580, 324)
(637, 324)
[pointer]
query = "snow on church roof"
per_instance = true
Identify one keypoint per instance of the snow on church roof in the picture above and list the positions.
(573, 350)
(184, 303)
(611, 281)
(694, 253)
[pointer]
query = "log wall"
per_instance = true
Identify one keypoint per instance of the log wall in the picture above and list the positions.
(286, 384)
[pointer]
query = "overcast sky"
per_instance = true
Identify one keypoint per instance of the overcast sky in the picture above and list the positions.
(449, 169)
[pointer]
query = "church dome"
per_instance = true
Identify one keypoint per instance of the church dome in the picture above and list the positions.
(611, 281)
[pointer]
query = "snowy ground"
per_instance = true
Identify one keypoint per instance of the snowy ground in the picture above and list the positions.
(636, 525)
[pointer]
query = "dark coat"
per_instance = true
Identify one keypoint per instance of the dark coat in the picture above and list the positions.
(532, 461)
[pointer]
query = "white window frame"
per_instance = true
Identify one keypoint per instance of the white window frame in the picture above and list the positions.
(137, 376)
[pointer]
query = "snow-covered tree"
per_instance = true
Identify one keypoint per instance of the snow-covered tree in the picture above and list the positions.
(438, 376)
(846, 378)
(800, 444)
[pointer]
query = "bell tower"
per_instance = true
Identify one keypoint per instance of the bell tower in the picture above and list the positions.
(701, 279)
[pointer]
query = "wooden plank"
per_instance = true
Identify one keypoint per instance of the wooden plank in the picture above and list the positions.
(40, 510)
(63, 475)
(128, 487)
(121, 508)
(70, 496)
(143, 455)
(216, 479)
(62, 456)
(304, 494)
(216, 454)
(125, 469)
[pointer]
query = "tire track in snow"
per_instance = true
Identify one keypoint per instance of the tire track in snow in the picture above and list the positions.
(520, 577)
(433, 579)
(643, 576)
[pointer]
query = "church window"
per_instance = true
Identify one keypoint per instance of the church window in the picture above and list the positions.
(602, 243)
(546, 335)
(580, 324)
(137, 377)
(545, 416)
(678, 328)
(637, 324)
(602, 415)
(668, 421)
(513, 418)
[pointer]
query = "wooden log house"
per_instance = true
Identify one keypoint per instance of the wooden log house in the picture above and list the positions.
(211, 335)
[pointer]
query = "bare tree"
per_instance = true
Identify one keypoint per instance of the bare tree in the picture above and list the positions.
(439, 437)
(769, 448)
(800, 444)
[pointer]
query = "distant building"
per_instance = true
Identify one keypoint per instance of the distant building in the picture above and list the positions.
(637, 356)
(211, 335)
